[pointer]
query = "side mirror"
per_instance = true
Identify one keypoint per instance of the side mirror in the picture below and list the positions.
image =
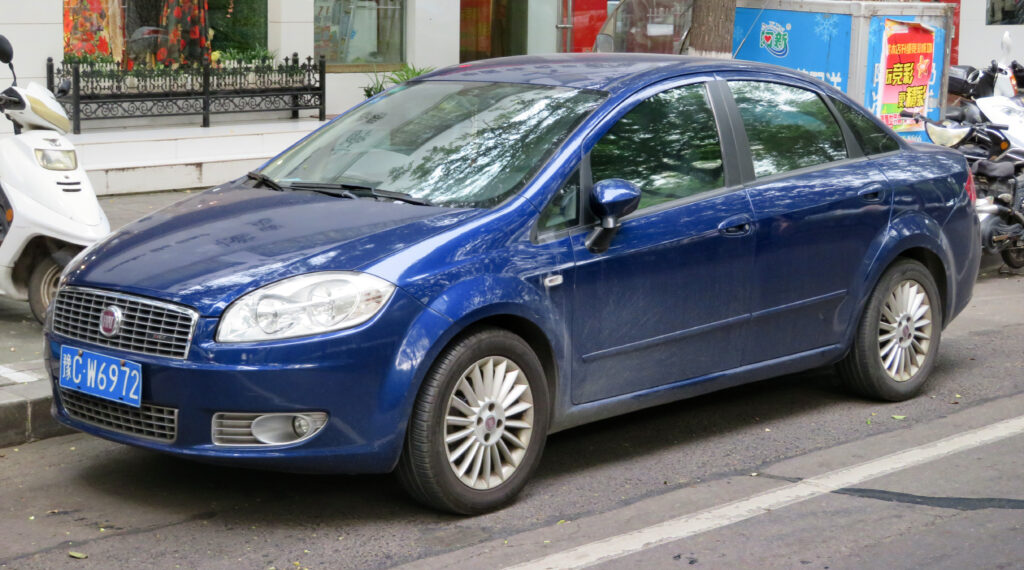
(6, 51)
(610, 200)
(63, 88)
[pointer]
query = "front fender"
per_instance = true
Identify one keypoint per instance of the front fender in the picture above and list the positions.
(456, 310)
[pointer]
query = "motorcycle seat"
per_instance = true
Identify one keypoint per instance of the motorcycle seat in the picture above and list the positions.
(992, 169)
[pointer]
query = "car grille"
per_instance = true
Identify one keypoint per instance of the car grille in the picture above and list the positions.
(153, 422)
(148, 327)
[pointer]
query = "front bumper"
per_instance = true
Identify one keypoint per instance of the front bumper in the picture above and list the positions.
(365, 379)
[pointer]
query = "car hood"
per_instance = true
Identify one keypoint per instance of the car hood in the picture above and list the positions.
(208, 250)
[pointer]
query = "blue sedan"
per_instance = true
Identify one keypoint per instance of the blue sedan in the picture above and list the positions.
(441, 277)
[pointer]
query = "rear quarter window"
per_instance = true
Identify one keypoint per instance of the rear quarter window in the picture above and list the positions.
(871, 138)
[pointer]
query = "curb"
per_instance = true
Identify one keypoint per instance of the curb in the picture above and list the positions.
(25, 413)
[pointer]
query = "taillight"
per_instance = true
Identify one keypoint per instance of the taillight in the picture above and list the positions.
(969, 188)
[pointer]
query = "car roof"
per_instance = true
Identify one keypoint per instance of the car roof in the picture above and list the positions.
(611, 72)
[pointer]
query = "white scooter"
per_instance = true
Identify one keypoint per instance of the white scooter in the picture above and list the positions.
(993, 92)
(49, 208)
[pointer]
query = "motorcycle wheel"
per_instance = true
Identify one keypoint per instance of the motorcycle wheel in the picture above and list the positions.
(42, 286)
(1013, 257)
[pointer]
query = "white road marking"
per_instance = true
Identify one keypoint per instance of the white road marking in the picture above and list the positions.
(18, 376)
(716, 517)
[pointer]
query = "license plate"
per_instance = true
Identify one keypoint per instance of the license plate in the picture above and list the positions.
(101, 376)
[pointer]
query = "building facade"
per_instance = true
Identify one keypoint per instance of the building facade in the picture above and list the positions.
(361, 40)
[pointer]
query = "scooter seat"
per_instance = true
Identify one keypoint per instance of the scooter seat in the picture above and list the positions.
(992, 169)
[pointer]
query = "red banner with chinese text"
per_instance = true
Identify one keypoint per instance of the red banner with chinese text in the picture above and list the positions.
(907, 62)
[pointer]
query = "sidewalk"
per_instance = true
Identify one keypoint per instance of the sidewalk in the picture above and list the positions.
(25, 394)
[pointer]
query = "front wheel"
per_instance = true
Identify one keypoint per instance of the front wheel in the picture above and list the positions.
(478, 426)
(42, 286)
(897, 338)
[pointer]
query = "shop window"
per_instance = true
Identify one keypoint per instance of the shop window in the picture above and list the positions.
(491, 28)
(359, 34)
(1004, 13)
(165, 32)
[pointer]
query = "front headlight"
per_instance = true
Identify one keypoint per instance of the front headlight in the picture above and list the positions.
(304, 305)
(57, 159)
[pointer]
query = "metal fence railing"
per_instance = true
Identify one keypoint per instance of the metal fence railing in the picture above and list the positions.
(107, 91)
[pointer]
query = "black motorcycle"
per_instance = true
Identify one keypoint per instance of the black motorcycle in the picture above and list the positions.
(998, 178)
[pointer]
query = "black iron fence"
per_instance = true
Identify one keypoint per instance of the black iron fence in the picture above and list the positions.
(106, 91)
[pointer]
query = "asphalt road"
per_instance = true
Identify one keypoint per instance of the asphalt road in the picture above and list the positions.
(124, 507)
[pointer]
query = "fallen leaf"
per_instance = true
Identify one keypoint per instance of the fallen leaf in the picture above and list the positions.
(899, 417)
(78, 555)
(958, 396)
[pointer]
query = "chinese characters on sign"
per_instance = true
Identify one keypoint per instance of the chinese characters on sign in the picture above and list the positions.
(907, 60)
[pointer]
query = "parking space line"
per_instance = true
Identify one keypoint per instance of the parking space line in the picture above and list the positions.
(716, 517)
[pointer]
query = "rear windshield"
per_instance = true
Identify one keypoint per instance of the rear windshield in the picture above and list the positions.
(464, 144)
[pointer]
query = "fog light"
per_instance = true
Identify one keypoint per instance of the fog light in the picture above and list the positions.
(300, 425)
(249, 429)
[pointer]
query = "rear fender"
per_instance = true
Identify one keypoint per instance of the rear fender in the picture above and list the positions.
(915, 235)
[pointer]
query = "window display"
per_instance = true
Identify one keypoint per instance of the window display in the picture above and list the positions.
(164, 32)
(352, 32)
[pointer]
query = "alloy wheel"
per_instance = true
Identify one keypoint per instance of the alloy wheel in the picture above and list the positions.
(489, 422)
(905, 330)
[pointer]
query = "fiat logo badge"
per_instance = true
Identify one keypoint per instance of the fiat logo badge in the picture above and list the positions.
(110, 321)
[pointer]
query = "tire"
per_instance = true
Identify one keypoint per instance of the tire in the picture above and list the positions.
(1014, 256)
(42, 286)
(455, 437)
(896, 344)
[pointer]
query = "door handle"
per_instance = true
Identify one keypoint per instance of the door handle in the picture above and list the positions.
(872, 193)
(736, 226)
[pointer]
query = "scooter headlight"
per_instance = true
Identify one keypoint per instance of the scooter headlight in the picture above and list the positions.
(947, 136)
(51, 159)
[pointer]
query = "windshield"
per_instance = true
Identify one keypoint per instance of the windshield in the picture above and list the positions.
(463, 144)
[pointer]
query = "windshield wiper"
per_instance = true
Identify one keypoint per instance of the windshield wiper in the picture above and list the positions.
(350, 190)
(400, 196)
(337, 190)
(263, 179)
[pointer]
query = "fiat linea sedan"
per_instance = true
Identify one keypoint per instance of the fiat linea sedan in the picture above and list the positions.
(438, 279)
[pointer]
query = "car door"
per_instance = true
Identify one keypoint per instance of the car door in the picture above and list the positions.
(819, 206)
(666, 302)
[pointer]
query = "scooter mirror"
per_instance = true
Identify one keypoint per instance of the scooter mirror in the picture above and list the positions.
(6, 51)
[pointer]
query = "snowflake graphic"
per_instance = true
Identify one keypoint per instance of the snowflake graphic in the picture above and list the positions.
(825, 26)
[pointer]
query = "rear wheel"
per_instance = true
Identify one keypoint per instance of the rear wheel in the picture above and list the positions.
(478, 427)
(42, 286)
(898, 335)
(1014, 256)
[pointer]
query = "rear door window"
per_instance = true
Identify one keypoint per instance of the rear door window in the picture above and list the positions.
(788, 127)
